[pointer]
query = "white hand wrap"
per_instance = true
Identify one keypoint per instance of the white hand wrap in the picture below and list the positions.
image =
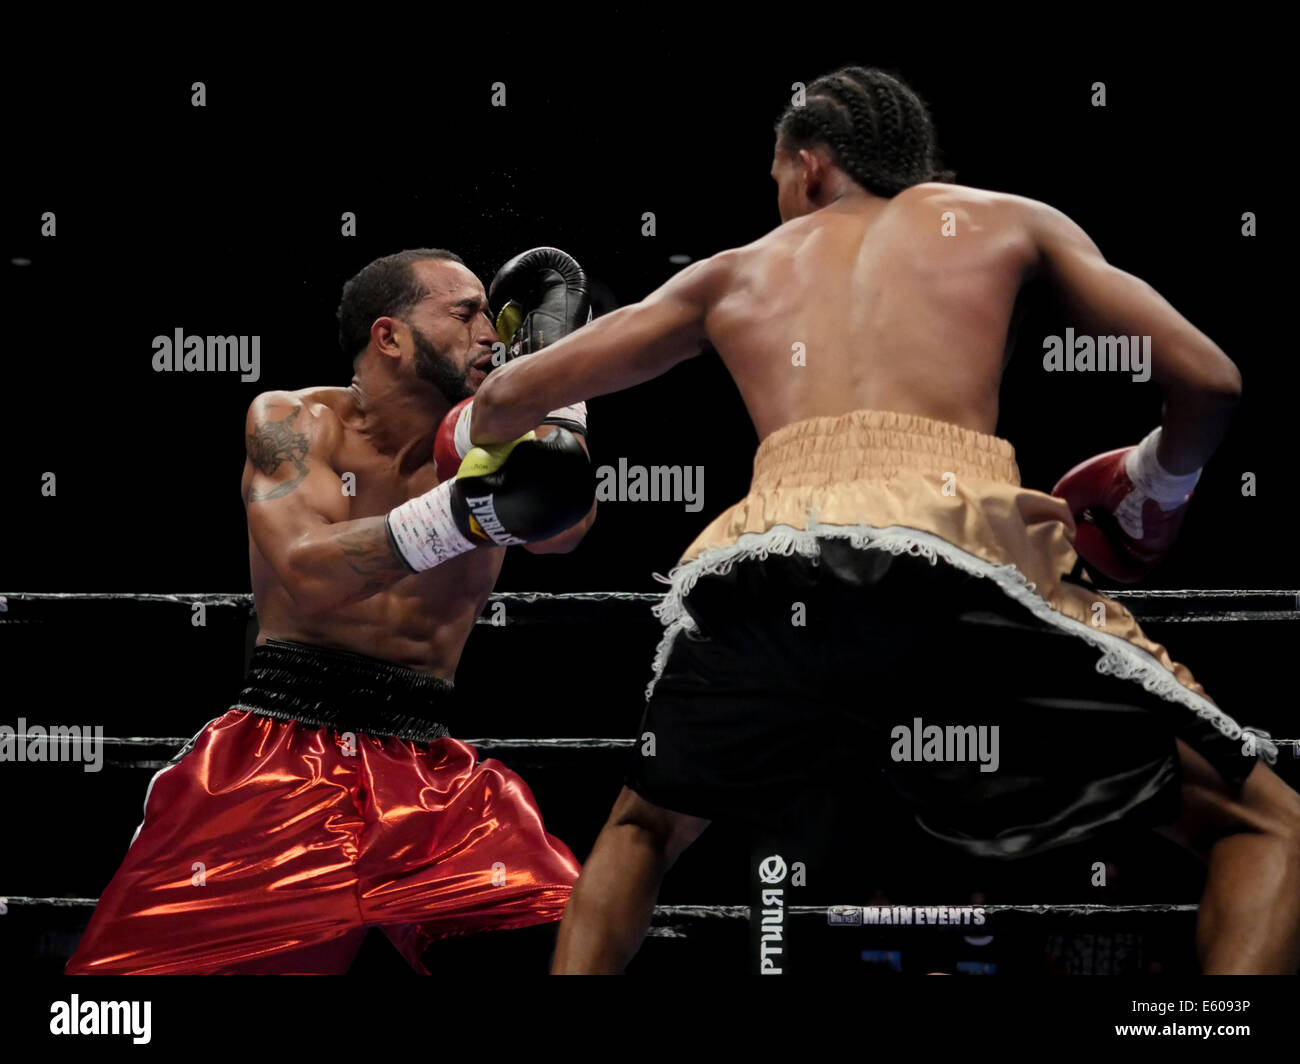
(423, 530)
(1152, 480)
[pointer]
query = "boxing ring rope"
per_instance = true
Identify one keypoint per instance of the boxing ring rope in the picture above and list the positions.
(1181, 606)
(532, 607)
(490, 744)
(670, 921)
(728, 912)
(1191, 605)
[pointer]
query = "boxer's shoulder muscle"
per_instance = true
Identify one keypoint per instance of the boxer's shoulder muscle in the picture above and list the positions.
(728, 273)
(306, 421)
(997, 214)
(708, 279)
(1039, 230)
(286, 434)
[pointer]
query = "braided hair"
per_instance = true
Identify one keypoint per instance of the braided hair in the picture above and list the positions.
(878, 130)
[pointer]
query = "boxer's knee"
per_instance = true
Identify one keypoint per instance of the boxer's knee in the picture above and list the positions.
(1211, 810)
(1274, 804)
(665, 830)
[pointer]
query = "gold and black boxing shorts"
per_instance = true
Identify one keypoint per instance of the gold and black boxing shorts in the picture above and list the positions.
(889, 606)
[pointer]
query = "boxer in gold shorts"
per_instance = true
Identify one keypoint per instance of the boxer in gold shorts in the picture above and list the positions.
(867, 336)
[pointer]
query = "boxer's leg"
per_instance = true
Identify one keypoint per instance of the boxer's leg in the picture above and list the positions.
(735, 728)
(610, 909)
(244, 862)
(1249, 921)
(454, 847)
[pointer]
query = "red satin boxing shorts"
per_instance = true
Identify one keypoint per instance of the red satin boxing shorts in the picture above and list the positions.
(326, 802)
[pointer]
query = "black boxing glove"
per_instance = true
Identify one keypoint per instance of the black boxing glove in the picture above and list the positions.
(504, 494)
(538, 296)
(528, 490)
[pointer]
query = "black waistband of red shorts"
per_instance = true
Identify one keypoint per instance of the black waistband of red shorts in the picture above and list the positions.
(350, 692)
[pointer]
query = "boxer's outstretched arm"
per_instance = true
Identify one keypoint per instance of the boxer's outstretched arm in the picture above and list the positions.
(1200, 383)
(626, 347)
(297, 511)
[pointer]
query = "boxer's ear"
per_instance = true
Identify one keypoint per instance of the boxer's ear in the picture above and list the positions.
(816, 164)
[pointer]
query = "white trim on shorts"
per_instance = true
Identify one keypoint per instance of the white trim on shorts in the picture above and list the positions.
(176, 760)
(1119, 657)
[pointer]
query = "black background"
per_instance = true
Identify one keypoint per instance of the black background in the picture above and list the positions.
(226, 220)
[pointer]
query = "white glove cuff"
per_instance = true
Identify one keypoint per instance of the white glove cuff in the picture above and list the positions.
(461, 436)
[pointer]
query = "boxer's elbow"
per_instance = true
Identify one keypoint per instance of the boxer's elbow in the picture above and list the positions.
(1225, 385)
(311, 598)
(303, 577)
(1216, 381)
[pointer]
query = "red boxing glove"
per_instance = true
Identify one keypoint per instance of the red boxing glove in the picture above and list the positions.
(1128, 509)
(451, 443)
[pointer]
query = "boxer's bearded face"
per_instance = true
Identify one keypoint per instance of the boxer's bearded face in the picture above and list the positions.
(451, 335)
(444, 373)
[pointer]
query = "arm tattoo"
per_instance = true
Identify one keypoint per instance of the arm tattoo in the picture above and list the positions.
(273, 444)
(369, 553)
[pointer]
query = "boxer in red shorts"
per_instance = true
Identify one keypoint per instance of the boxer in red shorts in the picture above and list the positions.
(331, 797)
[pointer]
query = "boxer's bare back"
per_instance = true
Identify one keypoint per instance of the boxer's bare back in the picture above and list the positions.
(868, 305)
(907, 304)
(903, 303)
